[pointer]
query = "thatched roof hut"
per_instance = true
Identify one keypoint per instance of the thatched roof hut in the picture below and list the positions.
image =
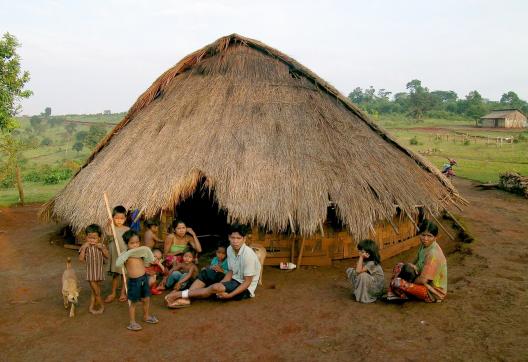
(273, 142)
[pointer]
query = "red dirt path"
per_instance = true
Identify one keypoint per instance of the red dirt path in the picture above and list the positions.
(301, 315)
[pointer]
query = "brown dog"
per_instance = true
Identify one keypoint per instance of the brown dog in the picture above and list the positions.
(70, 291)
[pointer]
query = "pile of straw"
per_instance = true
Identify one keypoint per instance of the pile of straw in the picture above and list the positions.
(274, 143)
(515, 183)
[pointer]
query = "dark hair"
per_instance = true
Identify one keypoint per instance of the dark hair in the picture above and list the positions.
(150, 223)
(428, 226)
(407, 273)
(371, 248)
(172, 227)
(238, 228)
(128, 235)
(119, 210)
(93, 228)
(188, 252)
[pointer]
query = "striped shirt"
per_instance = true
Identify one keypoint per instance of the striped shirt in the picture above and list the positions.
(94, 259)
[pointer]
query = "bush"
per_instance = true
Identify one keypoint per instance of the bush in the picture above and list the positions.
(7, 182)
(49, 175)
(414, 141)
(46, 142)
(467, 142)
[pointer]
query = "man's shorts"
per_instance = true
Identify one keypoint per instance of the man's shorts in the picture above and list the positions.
(232, 285)
(209, 276)
(138, 288)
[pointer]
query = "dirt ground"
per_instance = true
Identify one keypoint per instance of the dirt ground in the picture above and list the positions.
(302, 315)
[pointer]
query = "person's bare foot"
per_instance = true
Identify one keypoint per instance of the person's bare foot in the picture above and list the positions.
(110, 298)
(99, 311)
(92, 310)
(123, 298)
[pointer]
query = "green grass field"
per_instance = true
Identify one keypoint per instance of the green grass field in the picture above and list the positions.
(476, 161)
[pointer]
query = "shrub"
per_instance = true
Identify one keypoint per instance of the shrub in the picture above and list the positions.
(467, 142)
(46, 142)
(414, 141)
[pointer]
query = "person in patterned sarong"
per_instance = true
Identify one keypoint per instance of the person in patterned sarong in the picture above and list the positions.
(431, 267)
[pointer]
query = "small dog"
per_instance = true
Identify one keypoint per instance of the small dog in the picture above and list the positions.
(70, 291)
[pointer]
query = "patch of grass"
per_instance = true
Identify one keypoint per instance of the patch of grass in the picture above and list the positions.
(34, 193)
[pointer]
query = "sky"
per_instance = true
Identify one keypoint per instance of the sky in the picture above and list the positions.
(90, 56)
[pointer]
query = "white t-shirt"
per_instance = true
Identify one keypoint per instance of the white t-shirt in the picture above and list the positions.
(244, 264)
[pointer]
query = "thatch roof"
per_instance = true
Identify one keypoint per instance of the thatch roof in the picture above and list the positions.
(273, 140)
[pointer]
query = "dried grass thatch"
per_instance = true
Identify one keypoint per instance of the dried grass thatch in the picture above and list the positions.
(272, 140)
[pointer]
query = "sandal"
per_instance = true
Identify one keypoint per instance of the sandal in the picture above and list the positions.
(134, 327)
(180, 303)
(151, 319)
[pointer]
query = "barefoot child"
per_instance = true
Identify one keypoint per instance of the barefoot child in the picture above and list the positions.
(154, 270)
(181, 274)
(367, 277)
(151, 235)
(138, 285)
(93, 253)
(118, 218)
(215, 272)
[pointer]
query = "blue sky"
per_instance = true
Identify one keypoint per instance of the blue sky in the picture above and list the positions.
(87, 56)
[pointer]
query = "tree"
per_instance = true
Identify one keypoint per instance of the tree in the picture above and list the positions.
(12, 82)
(11, 148)
(356, 96)
(47, 111)
(420, 100)
(95, 134)
(81, 136)
(77, 146)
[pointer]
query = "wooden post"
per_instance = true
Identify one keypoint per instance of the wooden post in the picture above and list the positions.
(299, 259)
(292, 252)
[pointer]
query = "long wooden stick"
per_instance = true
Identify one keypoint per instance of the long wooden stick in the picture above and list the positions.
(139, 214)
(410, 218)
(439, 224)
(115, 241)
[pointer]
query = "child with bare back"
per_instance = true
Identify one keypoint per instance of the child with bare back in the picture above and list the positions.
(155, 269)
(118, 218)
(182, 274)
(150, 238)
(138, 284)
(93, 253)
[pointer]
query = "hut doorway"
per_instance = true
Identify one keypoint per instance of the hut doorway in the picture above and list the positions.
(201, 212)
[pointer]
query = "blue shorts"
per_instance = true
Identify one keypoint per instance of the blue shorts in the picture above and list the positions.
(138, 288)
(232, 285)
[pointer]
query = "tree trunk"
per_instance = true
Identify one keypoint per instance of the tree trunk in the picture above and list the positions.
(19, 185)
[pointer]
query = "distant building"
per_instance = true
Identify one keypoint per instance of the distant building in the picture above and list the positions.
(503, 118)
(107, 112)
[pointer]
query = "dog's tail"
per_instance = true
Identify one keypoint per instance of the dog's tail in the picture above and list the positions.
(68, 263)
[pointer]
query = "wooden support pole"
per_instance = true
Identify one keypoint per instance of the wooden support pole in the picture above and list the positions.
(410, 218)
(440, 224)
(321, 229)
(299, 259)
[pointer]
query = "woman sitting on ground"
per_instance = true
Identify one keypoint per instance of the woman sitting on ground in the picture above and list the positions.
(178, 240)
(430, 284)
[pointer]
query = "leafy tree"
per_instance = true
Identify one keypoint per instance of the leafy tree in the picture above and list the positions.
(11, 149)
(77, 146)
(356, 96)
(95, 134)
(47, 111)
(55, 121)
(12, 82)
(81, 136)
(420, 100)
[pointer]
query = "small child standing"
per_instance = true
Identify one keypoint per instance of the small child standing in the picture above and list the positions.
(138, 285)
(118, 218)
(93, 253)
(367, 277)
(151, 238)
(181, 275)
(215, 272)
(154, 269)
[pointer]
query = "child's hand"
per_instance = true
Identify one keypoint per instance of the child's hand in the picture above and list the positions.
(223, 295)
(100, 246)
(177, 286)
(217, 268)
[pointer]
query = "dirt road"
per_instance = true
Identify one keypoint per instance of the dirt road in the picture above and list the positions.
(296, 316)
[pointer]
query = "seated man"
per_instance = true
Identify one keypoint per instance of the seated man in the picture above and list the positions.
(239, 282)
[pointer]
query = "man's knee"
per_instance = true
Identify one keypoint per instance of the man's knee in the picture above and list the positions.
(217, 288)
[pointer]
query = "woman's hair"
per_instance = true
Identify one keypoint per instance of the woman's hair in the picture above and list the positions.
(93, 228)
(119, 210)
(128, 235)
(172, 227)
(428, 226)
(371, 248)
(238, 228)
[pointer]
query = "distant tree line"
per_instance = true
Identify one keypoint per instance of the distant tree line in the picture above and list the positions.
(419, 102)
